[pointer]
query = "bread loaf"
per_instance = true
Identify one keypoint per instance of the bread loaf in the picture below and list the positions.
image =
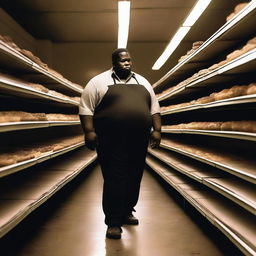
(6, 159)
(38, 87)
(251, 89)
(252, 41)
(235, 91)
(197, 44)
(244, 126)
(10, 116)
(239, 7)
(214, 66)
(8, 40)
(34, 58)
(226, 126)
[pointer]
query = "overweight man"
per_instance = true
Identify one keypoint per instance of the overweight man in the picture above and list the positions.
(120, 116)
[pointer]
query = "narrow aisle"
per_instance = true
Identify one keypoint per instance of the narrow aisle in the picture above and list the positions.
(76, 227)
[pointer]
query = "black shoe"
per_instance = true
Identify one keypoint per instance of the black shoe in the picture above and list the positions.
(114, 232)
(131, 220)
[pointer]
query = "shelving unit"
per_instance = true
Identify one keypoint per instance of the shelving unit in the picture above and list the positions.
(226, 134)
(23, 91)
(243, 64)
(240, 192)
(235, 222)
(14, 126)
(238, 28)
(27, 184)
(10, 169)
(214, 170)
(15, 60)
(31, 189)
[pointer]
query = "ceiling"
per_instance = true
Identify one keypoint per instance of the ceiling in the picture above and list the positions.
(152, 24)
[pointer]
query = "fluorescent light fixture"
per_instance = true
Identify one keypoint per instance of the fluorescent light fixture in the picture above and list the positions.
(123, 23)
(182, 31)
(193, 16)
(196, 12)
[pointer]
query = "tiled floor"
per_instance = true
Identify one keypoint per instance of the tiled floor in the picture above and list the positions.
(76, 227)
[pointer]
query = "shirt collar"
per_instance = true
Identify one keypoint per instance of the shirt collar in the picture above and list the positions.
(114, 75)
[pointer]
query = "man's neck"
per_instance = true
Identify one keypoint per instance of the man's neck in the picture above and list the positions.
(123, 77)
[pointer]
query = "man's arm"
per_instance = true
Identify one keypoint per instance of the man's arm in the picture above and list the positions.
(156, 133)
(91, 139)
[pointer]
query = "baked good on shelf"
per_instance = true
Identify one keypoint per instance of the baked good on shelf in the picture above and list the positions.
(8, 40)
(77, 99)
(58, 94)
(235, 91)
(34, 58)
(40, 116)
(212, 126)
(212, 67)
(197, 44)
(24, 155)
(10, 116)
(221, 63)
(38, 87)
(251, 89)
(6, 159)
(61, 117)
(226, 126)
(237, 9)
(20, 116)
(244, 126)
(202, 100)
(203, 72)
(55, 73)
(234, 55)
(251, 44)
(248, 47)
(25, 116)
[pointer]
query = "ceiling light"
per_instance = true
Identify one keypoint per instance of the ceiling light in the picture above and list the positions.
(193, 16)
(123, 23)
(196, 12)
(182, 31)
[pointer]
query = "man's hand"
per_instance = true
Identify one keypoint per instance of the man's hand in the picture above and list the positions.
(91, 140)
(155, 139)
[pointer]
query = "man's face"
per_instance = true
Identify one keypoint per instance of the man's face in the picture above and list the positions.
(124, 64)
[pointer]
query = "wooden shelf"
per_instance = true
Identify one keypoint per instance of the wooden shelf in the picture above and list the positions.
(17, 61)
(29, 192)
(14, 126)
(224, 134)
(17, 89)
(237, 28)
(242, 100)
(10, 169)
(230, 163)
(242, 64)
(236, 223)
(237, 190)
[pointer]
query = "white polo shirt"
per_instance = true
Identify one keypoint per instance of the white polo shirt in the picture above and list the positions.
(97, 87)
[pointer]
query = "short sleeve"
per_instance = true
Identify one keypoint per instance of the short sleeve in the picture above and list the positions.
(88, 100)
(155, 107)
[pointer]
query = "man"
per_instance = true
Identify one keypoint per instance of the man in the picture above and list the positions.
(118, 109)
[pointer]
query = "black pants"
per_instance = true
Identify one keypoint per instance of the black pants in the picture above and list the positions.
(122, 159)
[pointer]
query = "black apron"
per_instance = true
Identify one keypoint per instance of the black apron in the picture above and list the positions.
(122, 122)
